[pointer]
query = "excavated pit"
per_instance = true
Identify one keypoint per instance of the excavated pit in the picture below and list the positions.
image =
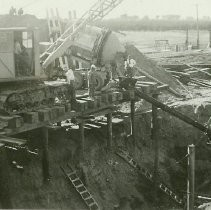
(112, 182)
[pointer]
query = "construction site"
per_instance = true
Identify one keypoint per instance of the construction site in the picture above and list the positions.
(130, 130)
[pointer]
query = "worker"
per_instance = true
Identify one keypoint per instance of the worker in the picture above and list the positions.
(12, 11)
(129, 64)
(20, 11)
(71, 81)
(17, 52)
(91, 81)
(22, 61)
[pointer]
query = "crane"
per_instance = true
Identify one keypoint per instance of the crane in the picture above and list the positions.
(99, 10)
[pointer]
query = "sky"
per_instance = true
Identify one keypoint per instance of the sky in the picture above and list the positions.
(151, 8)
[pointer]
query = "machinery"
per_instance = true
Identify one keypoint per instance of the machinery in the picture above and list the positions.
(21, 73)
(98, 46)
(84, 45)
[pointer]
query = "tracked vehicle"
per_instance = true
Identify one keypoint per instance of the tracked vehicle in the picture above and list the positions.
(22, 87)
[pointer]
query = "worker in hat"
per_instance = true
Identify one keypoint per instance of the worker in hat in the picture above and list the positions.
(129, 67)
(91, 81)
(70, 78)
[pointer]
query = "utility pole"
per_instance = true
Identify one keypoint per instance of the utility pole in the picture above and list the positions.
(187, 38)
(209, 45)
(191, 177)
(197, 19)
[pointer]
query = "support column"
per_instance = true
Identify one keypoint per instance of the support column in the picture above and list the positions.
(5, 200)
(155, 140)
(110, 132)
(132, 112)
(82, 139)
(191, 177)
(45, 155)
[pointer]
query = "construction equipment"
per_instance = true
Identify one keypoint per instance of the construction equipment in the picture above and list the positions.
(97, 11)
(84, 44)
(21, 89)
(19, 61)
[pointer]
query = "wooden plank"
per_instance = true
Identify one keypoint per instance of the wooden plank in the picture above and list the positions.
(15, 122)
(60, 110)
(12, 141)
(91, 103)
(147, 83)
(92, 125)
(54, 113)
(82, 105)
(31, 117)
(44, 115)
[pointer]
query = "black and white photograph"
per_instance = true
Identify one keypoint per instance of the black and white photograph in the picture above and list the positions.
(105, 104)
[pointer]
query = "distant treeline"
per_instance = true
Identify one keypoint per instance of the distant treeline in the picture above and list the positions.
(153, 24)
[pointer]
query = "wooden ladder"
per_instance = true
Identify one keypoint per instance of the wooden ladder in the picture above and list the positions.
(81, 189)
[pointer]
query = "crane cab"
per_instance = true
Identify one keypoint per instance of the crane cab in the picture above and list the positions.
(19, 54)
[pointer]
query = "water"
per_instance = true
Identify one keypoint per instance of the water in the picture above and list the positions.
(145, 40)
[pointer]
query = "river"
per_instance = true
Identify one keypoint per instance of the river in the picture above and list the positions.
(145, 40)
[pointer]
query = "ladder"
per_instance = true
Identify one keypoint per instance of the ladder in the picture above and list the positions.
(96, 12)
(81, 189)
(54, 25)
(55, 31)
(163, 187)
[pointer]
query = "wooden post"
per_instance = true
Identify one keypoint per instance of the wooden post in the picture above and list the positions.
(209, 39)
(109, 126)
(191, 177)
(45, 155)
(132, 112)
(155, 139)
(82, 139)
(5, 200)
(197, 23)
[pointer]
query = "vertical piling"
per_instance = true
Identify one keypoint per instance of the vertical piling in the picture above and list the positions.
(191, 177)
(45, 155)
(155, 138)
(5, 200)
(132, 112)
(82, 139)
(109, 129)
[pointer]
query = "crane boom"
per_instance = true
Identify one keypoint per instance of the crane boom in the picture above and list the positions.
(97, 11)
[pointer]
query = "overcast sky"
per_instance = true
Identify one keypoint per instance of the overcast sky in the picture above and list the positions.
(131, 7)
